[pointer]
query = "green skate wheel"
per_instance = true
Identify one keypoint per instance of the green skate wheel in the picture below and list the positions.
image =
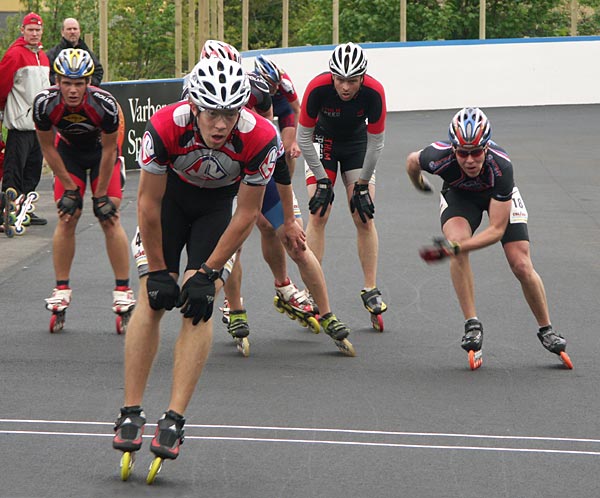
(346, 347)
(243, 346)
(155, 467)
(314, 324)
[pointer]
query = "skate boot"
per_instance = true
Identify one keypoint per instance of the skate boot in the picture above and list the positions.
(167, 439)
(312, 302)
(239, 330)
(338, 332)
(225, 310)
(375, 306)
(129, 429)
(472, 342)
(58, 303)
(123, 304)
(555, 343)
(296, 305)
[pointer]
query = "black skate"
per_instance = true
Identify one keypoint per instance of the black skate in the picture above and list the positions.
(472, 342)
(167, 440)
(375, 306)
(555, 343)
(338, 332)
(239, 330)
(297, 306)
(129, 429)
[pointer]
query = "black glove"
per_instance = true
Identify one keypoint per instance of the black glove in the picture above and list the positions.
(361, 201)
(70, 202)
(322, 198)
(104, 208)
(163, 290)
(441, 248)
(197, 298)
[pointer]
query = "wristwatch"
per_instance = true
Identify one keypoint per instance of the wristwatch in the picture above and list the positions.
(210, 273)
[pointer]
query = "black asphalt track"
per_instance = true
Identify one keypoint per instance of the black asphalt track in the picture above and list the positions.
(404, 418)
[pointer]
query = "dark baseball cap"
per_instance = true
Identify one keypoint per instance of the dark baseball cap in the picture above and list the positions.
(32, 18)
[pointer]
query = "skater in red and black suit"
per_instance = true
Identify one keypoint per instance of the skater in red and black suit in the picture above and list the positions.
(196, 156)
(478, 177)
(87, 121)
(342, 121)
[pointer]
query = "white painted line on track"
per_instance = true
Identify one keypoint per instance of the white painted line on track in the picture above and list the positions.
(325, 442)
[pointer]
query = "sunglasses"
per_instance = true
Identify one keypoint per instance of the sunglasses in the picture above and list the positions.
(476, 152)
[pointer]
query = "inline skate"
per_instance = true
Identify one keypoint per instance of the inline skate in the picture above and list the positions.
(374, 304)
(129, 430)
(295, 303)
(123, 304)
(166, 442)
(338, 331)
(472, 342)
(239, 330)
(58, 303)
(555, 343)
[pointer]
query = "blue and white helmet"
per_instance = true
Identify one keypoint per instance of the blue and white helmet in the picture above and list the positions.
(348, 60)
(268, 70)
(470, 127)
(218, 84)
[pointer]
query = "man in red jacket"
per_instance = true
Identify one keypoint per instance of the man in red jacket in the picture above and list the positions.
(24, 69)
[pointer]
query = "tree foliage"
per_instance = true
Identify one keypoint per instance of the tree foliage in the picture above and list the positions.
(141, 32)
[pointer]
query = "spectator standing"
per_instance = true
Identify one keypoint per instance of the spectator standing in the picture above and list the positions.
(24, 69)
(71, 38)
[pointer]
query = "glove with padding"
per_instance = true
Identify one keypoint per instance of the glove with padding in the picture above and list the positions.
(361, 201)
(104, 208)
(442, 248)
(70, 202)
(162, 289)
(322, 198)
(197, 298)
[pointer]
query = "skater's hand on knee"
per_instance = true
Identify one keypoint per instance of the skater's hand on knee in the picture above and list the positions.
(361, 201)
(197, 298)
(442, 248)
(294, 236)
(163, 290)
(323, 197)
(69, 203)
(104, 208)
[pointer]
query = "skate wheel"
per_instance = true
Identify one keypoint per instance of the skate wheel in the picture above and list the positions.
(346, 347)
(475, 359)
(243, 346)
(377, 322)
(127, 462)
(564, 357)
(314, 324)
(121, 322)
(155, 467)
(9, 231)
(57, 322)
(278, 307)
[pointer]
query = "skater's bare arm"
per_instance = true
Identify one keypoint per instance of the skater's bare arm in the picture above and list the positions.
(46, 139)
(107, 162)
(499, 213)
(413, 168)
(249, 203)
(150, 193)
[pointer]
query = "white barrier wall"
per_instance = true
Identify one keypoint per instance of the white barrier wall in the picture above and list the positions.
(449, 75)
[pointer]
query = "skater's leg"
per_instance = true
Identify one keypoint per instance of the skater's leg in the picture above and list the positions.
(273, 251)
(315, 230)
(141, 345)
(458, 229)
(117, 245)
(191, 352)
(310, 271)
(519, 258)
(367, 242)
(63, 246)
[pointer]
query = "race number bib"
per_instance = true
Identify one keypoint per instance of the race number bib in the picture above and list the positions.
(139, 255)
(518, 211)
